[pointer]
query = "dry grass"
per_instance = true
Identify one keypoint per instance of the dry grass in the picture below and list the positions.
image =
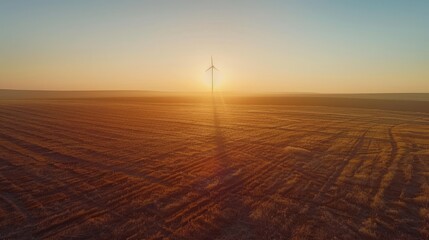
(368, 227)
(146, 170)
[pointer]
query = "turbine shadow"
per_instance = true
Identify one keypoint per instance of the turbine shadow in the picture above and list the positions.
(235, 214)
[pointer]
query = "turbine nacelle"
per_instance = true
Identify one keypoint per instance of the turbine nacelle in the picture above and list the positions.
(211, 68)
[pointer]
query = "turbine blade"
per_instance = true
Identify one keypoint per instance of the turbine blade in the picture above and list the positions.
(209, 68)
(215, 68)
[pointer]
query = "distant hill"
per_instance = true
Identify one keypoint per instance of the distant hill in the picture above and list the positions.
(35, 94)
(41, 94)
(387, 96)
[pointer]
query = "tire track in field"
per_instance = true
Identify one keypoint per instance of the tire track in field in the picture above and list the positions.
(319, 196)
(378, 191)
(339, 170)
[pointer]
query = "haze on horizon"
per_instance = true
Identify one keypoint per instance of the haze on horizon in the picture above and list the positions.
(271, 46)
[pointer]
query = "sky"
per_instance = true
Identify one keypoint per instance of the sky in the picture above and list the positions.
(337, 46)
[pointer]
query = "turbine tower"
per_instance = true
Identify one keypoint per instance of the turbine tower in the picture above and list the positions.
(212, 67)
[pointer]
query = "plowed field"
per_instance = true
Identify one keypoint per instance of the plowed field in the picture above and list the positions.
(109, 169)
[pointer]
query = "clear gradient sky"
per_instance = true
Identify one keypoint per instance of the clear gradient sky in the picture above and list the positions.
(272, 46)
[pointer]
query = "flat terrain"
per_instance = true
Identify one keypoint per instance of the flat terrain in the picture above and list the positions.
(117, 169)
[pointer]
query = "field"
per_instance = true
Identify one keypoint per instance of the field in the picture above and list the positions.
(136, 169)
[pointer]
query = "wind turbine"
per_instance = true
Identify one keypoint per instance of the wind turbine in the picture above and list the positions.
(212, 67)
